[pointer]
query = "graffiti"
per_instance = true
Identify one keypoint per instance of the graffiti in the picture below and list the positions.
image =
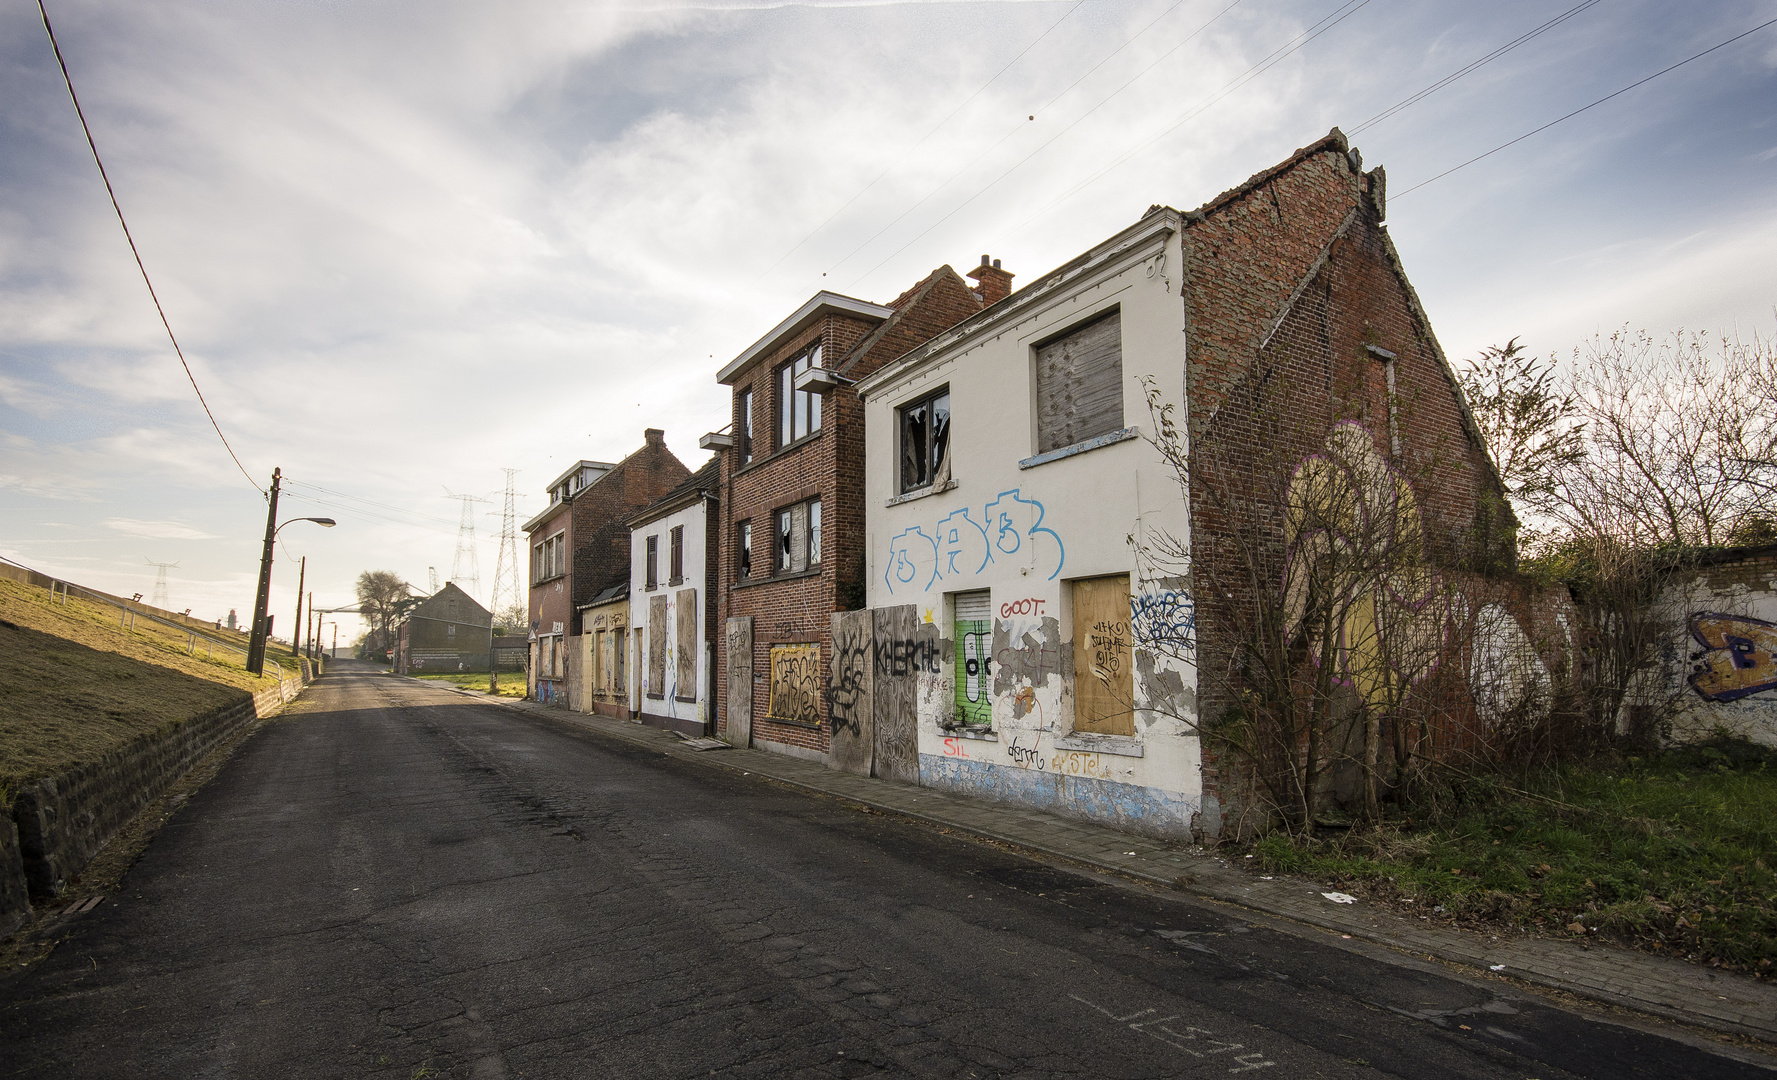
(1352, 533)
(1026, 757)
(795, 683)
(954, 748)
(1109, 642)
(1166, 618)
(1026, 652)
(851, 659)
(906, 657)
(964, 547)
(1738, 657)
(1505, 673)
(1028, 606)
(1080, 763)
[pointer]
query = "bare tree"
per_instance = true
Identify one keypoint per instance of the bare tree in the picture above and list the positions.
(382, 597)
(1529, 422)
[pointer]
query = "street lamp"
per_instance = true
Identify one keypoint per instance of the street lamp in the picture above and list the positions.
(262, 601)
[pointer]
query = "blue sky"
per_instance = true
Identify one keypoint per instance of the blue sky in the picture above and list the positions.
(405, 245)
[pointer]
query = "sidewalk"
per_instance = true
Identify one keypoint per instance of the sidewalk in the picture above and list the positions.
(1720, 1001)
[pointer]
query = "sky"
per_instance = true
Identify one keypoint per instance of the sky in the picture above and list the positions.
(406, 246)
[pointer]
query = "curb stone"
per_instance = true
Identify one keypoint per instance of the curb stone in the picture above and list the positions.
(1672, 989)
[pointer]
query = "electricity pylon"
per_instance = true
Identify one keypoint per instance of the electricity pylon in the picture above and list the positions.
(465, 569)
(159, 597)
(507, 576)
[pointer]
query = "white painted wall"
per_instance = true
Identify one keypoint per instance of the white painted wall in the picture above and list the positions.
(1037, 529)
(695, 519)
(1748, 597)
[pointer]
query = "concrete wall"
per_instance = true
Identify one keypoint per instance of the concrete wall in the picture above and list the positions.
(1720, 669)
(60, 822)
(673, 704)
(1027, 530)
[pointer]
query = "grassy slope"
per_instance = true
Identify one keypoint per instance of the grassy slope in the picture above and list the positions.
(1671, 853)
(511, 682)
(77, 684)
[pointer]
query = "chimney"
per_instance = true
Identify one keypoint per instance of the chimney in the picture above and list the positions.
(995, 284)
(654, 436)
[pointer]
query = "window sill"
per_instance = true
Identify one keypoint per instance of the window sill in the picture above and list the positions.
(921, 493)
(1119, 745)
(1109, 437)
(793, 723)
(978, 734)
(786, 576)
(652, 696)
(686, 700)
(651, 588)
(547, 580)
(761, 460)
(674, 581)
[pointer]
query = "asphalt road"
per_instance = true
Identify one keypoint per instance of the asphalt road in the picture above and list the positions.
(400, 881)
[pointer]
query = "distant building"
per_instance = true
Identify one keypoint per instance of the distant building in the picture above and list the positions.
(447, 631)
(604, 643)
(672, 608)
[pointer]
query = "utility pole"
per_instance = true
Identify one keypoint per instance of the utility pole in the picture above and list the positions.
(296, 624)
(262, 599)
(335, 639)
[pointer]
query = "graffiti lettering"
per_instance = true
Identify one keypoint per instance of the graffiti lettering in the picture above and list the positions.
(963, 547)
(1079, 763)
(851, 652)
(954, 748)
(1739, 656)
(795, 683)
(1025, 756)
(1167, 618)
(1028, 606)
(905, 657)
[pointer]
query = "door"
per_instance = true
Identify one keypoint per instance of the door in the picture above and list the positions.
(740, 680)
(974, 647)
(1104, 682)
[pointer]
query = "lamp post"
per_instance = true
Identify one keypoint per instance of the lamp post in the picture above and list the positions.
(262, 600)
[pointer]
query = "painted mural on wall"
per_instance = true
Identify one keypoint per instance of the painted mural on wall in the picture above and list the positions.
(1737, 657)
(1011, 531)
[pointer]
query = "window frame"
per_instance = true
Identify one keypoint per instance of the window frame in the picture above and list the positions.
(788, 396)
(783, 530)
(1112, 313)
(675, 560)
(743, 427)
(901, 435)
(651, 562)
(743, 550)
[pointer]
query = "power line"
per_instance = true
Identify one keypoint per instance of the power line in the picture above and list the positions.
(1017, 127)
(103, 175)
(1414, 99)
(1583, 108)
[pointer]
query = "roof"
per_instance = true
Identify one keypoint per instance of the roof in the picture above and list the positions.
(818, 306)
(576, 467)
(702, 481)
(453, 601)
(619, 591)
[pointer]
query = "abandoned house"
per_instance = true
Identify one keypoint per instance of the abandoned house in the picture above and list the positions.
(672, 610)
(447, 631)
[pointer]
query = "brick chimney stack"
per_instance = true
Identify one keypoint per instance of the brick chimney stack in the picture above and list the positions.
(995, 283)
(654, 436)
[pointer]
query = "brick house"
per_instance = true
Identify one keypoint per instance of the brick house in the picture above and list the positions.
(672, 614)
(447, 631)
(791, 546)
(579, 548)
(1077, 496)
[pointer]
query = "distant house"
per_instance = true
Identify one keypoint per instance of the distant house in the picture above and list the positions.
(579, 548)
(447, 631)
(605, 664)
(672, 613)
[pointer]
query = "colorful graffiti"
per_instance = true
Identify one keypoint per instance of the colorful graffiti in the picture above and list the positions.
(1738, 657)
(1354, 536)
(959, 547)
(795, 683)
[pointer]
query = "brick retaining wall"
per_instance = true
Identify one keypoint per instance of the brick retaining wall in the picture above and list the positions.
(60, 822)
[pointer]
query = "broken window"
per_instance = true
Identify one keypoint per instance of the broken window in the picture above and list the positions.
(798, 539)
(925, 441)
(1079, 378)
(799, 411)
(746, 550)
(745, 426)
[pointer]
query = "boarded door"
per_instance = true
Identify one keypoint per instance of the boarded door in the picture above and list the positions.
(685, 614)
(657, 646)
(906, 650)
(974, 647)
(1104, 684)
(849, 689)
(739, 645)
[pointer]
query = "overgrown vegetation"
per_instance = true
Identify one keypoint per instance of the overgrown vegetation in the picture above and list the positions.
(511, 682)
(1672, 853)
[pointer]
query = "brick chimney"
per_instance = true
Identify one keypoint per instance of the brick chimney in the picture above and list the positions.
(995, 284)
(654, 436)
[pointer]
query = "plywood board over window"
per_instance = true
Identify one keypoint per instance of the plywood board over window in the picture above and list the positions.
(795, 683)
(685, 614)
(657, 646)
(1079, 380)
(1104, 683)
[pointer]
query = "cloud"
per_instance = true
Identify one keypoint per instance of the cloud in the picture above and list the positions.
(157, 530)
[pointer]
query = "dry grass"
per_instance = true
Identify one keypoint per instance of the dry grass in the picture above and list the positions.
(77, 684)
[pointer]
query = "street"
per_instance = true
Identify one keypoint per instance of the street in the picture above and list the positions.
(398, 880)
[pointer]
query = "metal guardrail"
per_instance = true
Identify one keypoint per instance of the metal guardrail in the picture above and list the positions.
(127, 619)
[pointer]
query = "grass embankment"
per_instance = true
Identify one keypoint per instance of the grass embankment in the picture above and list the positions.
(79, 684)
(1672, 853)
(511, 682)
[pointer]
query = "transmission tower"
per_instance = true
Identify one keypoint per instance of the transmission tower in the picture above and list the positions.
(432, 574)
(465, 569)
(159, 597)
(507, 576)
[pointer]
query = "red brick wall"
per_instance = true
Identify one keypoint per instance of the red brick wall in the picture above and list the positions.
(547, 604)
(602, 511)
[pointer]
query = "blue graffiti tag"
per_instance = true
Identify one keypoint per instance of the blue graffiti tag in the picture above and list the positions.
(965, 547)
(1165, 617)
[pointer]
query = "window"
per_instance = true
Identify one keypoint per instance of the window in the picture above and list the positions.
(746, 550)
(653, 563)
(799, 411)
(1080, 384)
(925, 441)
(744, 427)
(798, 538)
(677, 566)
(549, 559)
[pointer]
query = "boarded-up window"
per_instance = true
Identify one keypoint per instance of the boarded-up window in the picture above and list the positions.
(795, 683)
(601, 667)
(685, 616)
(974, 673)
(1104, 684)
(1080, 384)
(657, 646)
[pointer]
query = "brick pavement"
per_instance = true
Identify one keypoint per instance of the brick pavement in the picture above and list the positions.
(1720, 1001)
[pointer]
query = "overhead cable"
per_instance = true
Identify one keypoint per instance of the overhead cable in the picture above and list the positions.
(103, 175)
